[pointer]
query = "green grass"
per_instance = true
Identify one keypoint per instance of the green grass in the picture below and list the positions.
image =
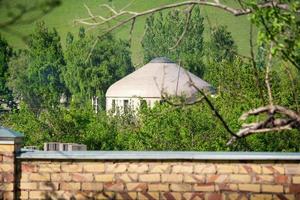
(62, 18)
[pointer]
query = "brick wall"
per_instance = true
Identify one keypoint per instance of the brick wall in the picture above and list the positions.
(171, 180)
(7, 171)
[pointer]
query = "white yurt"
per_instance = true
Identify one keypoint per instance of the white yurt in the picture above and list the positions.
(147, 84)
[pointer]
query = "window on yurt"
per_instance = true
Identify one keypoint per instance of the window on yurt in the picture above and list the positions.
(113, 106)
(143, 104)
(126, 106)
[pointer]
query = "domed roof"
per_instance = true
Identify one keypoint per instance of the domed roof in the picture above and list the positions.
(160, 75)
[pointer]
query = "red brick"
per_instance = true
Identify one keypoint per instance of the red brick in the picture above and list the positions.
(217, 178)
(113, 186)
(194, 178)
(155, 187)
(116, 168)
(204, 187)
(264, 179)
(8, 177)
(193, 195)
(213, 196)
(82, 177)
(48, 186)
(6, 167)
(292, 169)
(181, 187)
(226, 187)
(272, 188)
(92, 186)
(280, 179)
(8, 195)
(148, 195)
(81, 195)
(249, 169)
(171, 196)
(126, 195)
(160, 168)
(204, 169)
(70, 186)
(49, 167)
(237, 178)
(136, 187)
(28, 186)
(71, 167)
(7, 158)
(128, 177)
(27, 167)
(149, 178)
(294, 188)
(61, 177)
(39, 177)
(273, 169)
(138, 168)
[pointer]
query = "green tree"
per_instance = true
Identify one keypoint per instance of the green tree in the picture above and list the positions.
(5, 54)
(280, 27)
(40, 85)
(17, 81)
(222, 45)
(163, 32)
(69, 38)
(92, 69)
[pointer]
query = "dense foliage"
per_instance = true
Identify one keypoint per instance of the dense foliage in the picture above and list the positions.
(91, 69)
(163, 32)
(36, 71)
(42, 74)
(5, 54)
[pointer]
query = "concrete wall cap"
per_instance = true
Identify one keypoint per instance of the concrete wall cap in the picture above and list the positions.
(157, 155)
(7, 134)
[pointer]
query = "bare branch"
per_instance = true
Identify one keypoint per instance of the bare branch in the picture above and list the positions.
(92, 49)
(289, 120)
(129, 4)
(267, 78)
(89, 11)
(134, 15)
(131, 30)
(109, 8)
(168, 101)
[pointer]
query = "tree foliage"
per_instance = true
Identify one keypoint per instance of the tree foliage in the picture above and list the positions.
(280, 27)
(36, 72)
(5, 54)
(39, 74)
(222, 45)
(163, 30)
(91, 69)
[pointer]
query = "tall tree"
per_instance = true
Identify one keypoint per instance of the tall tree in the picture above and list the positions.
(222, 44)
(91, 69)
(42, 64)
(5, 54)
(177, 35)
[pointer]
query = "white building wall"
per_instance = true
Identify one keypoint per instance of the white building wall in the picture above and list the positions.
(133, 103)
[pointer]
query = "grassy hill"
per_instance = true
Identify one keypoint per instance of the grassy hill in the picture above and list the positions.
(62, 18)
